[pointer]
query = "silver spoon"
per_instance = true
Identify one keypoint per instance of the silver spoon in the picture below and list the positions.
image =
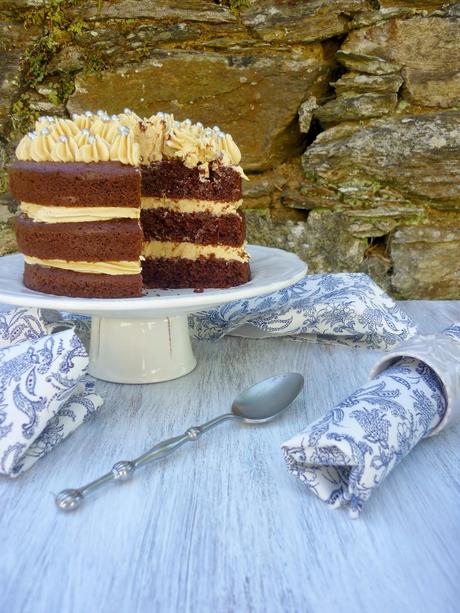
(258, 404)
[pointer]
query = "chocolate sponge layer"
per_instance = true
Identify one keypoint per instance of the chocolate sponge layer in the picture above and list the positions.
(82, 285)
(172, 179)
(75, 183)
(102, 241)
(203, 228)
(167, 273)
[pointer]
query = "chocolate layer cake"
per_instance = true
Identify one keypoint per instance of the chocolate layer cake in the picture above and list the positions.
(109, 204)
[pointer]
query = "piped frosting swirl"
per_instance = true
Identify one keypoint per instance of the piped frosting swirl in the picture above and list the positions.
(126, 138)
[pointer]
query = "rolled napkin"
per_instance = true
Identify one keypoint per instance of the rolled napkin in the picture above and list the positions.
(344, 308)
(43, 393)
(414, 392)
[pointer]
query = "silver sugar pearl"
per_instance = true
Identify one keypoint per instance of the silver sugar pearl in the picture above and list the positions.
(187, 122)
(114, 117)
(63, 138)
(127, 111)
(91, 139)
(161, 114)
(221, 134)
(44, 131)
(74, 116)
(88, 114)
(50, 119)
(199, 124)
(31, 135)
(42, 118)
(124, 130)
(216, 128)
(208, 132)
(85, 131)
(100, 113)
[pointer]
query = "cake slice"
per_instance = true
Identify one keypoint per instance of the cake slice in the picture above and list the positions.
(194, 234)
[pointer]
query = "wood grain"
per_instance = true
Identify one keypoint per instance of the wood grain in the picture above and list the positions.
(221, 526)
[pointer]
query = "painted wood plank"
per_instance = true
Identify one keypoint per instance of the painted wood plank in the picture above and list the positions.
(221, 526)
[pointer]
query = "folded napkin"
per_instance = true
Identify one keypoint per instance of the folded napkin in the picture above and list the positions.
(43, 393)
(344, 308)
(414, 391)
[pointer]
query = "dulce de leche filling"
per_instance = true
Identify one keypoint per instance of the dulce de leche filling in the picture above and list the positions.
(193, 251)
(70, 214)
(106, 268)
(191, 205)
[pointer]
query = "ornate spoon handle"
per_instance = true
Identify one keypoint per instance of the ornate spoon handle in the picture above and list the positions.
(70, 499)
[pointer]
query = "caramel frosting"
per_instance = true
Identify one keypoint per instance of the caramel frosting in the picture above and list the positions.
(129, 139)
(105, 268)
(191, 205)
(193, 251)
(74, 214)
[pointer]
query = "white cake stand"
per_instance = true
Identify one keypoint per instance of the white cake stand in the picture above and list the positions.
(146, 340)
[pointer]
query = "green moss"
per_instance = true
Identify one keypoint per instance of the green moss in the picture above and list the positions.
(22, 116)
(59, 28)
(234, 5)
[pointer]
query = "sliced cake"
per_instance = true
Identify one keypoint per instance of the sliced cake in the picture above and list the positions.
(106, 198)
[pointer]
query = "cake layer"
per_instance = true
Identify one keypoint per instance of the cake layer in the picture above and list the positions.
(75, 183)
(192, 205)
(169, 273)
(81, 285)
(203, 228)
(120, 239)
(172, 179)
(193, 251)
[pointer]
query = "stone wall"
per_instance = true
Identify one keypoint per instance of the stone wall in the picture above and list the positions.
(346, 112)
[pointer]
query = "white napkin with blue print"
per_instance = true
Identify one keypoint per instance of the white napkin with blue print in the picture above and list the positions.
(43, 393)
(343, 456)
(343, 308)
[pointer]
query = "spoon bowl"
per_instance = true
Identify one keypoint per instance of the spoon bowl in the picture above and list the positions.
(268, 398)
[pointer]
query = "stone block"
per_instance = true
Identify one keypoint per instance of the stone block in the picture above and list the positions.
(426, 261)
(415, 158)
(14, 40)
(426, 49)
(355, 83)
(323, 240)
(175, 10)
(353, 108)
(7, 239)
(299, 22)
(254, 96)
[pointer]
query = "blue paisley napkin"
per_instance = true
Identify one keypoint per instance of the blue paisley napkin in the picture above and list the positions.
(343, 456)
(43, 395)
(344, 308)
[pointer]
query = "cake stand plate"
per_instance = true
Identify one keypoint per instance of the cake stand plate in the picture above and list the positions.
(146, 340)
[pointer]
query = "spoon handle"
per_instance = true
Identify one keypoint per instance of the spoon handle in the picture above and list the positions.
(70, 499)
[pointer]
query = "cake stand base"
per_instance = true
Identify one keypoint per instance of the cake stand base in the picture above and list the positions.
(140, 350)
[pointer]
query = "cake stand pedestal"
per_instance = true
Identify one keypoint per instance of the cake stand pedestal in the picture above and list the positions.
(146, 340)
(140, 350)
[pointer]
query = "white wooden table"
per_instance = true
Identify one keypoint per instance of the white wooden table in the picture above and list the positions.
(221, 526)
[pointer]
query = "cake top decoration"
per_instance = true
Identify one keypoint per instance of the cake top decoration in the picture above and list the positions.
(129, 139)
